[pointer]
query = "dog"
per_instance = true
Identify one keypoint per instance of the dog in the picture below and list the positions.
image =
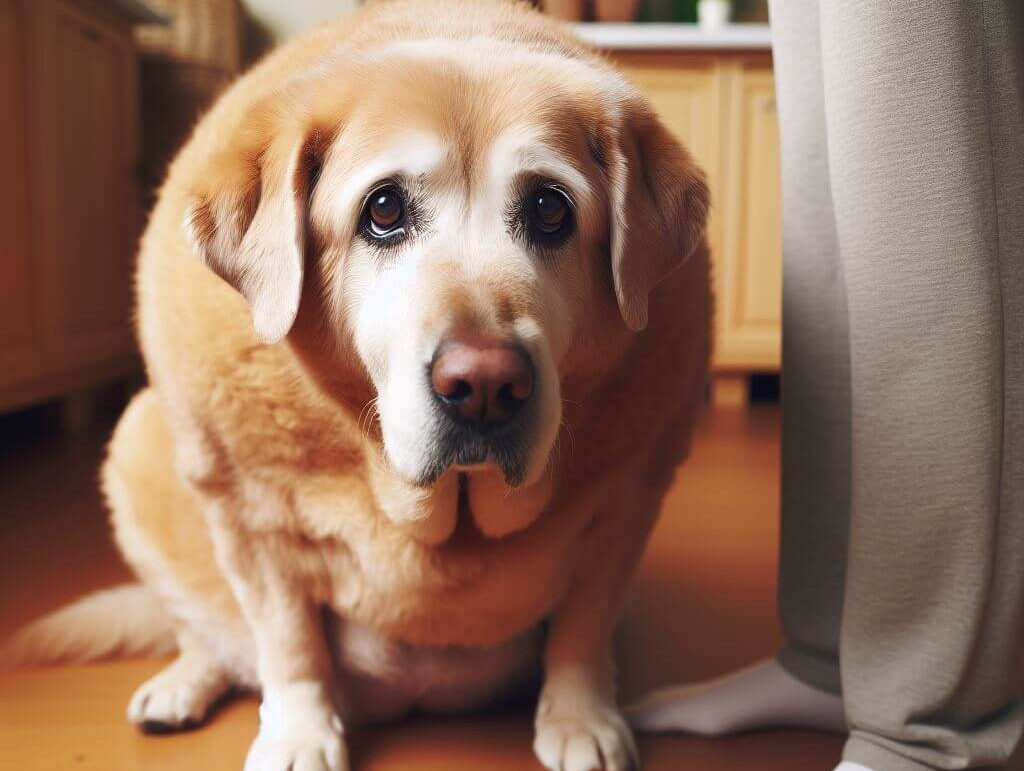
(425, 308)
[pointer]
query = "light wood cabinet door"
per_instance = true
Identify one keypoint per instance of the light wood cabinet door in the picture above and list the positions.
(19, 351)
(750, 264)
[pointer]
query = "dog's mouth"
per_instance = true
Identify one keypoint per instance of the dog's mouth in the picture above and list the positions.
(467, 449)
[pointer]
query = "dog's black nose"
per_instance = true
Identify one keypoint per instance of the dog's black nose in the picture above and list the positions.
(484, 382)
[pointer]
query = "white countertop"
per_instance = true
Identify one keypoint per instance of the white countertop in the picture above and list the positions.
(643, 36)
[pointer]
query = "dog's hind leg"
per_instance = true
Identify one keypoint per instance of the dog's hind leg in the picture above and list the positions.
(163, 536)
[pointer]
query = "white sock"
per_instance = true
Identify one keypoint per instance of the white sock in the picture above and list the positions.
(848, 766)
(763, 696)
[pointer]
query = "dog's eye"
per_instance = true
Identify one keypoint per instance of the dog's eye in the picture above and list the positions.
(550, 215)
(552, 211)
(384, 213)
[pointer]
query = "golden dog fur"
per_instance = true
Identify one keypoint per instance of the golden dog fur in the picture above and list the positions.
(250, 485)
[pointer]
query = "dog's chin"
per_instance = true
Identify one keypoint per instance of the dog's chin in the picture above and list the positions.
(472, 457)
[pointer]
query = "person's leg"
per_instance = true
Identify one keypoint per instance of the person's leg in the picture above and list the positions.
(799, 687)
(926, 147)
(815, 364)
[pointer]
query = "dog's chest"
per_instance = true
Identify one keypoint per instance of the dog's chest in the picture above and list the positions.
(469, 590)
(381, 679)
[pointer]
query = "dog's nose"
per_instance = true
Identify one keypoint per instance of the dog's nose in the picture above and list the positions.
(484, 382)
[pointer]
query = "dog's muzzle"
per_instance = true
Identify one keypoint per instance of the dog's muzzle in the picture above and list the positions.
(483, 391)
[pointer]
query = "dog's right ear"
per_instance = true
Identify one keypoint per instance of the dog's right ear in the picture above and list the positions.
(247, 220)
(659, 207)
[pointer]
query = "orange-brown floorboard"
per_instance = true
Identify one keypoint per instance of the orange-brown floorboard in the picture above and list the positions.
(702, 603)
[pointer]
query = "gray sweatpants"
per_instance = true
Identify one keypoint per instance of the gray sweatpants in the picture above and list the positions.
(902, 577)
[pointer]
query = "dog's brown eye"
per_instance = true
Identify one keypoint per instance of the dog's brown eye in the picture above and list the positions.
(385, 209)
(384, 214)
(552, 210)
(549, 215)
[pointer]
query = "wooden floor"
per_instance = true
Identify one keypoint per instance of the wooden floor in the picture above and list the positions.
(704, 602)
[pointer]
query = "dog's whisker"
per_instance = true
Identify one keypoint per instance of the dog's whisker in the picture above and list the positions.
(363, 413)
(570, 434)
(367, 415)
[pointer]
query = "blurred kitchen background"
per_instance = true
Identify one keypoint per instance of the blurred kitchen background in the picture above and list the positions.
(97, 95)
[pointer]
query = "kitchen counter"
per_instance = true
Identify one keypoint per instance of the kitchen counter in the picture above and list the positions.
(643, 36)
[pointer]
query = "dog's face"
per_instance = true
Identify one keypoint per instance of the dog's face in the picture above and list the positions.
(459, 226)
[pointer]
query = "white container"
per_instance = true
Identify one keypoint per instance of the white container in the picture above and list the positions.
(713, 14)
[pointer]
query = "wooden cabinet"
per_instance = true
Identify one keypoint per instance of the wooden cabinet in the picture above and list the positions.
(750, 260)
(69, 197)
(722, 106)
(98, 197)
(19, 346)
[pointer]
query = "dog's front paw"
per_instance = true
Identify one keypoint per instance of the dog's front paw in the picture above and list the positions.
(298, 732)
(312, 748)
(577, 730)
(179, 697)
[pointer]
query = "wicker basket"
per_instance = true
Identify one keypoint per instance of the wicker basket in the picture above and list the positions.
(183, 67)
(174, 97)
(206, 32)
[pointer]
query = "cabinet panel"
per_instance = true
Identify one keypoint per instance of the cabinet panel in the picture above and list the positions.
(95, 155)
(750, 301)
(18, 354)
(760, 211)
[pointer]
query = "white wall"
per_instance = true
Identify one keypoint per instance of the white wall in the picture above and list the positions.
(284, 18)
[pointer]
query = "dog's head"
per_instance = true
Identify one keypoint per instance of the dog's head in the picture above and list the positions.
(454, 218)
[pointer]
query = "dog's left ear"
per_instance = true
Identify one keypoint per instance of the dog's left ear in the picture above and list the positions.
(247, 222)
(659, 205)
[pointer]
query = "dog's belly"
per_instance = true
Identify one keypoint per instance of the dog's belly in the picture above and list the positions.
(382, 679)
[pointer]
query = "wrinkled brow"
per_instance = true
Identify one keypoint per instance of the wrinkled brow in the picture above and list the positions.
(346, 178)
(521, 152)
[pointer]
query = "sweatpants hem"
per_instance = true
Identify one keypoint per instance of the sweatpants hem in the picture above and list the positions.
(877, 757)
(812, 670)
